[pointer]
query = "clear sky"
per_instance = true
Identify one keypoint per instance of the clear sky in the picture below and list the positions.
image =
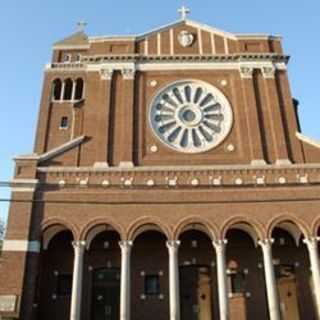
(28, 29)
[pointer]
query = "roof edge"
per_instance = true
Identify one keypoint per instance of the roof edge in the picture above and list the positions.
(308, 140)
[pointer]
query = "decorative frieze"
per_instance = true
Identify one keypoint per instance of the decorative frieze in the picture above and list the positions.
(182, 177)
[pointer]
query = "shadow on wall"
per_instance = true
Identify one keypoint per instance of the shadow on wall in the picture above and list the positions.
(2, 233)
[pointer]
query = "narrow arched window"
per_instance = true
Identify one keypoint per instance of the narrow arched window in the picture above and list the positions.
(67, 58)
(79, 89)
(68, 86)
(56, 89)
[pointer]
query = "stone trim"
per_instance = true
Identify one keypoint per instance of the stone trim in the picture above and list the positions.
(308, 140)
(236, 36)
(61, 149)
(142, 63)
(185, 58)
(173, 177)
(178, 168)
(21, 246)
(24, 185)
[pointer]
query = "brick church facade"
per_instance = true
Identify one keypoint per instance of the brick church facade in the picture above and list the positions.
(169, 181)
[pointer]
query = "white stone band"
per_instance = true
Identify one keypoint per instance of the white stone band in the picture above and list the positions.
(21, 246)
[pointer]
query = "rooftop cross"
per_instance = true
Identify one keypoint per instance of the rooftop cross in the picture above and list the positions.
(81, 25)
(184, 11)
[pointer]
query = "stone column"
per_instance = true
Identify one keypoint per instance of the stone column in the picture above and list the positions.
(312, 245)
(125, 289)
(79, 248)
(73, 94)
(271, 286)
(63, 89)
(174, 286)
(220, 248)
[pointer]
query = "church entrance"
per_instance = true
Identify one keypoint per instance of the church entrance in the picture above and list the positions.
(195, 292)
(287, 288)
(106, 294)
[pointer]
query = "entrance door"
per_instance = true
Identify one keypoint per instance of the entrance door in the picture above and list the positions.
(195, 293)
(287, 289)
(106, 294)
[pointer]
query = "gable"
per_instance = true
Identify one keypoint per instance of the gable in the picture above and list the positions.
(206, 41)
(166, 40)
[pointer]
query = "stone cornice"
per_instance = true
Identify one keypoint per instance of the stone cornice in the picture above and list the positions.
(139, 60)
(187, 58)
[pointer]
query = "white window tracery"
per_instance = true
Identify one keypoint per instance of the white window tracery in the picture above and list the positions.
(191, 116)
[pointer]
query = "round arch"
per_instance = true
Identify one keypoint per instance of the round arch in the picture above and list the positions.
(195, 223)
(147, 224)
(52, 227)
(97, 226)
(294, 226)
(251, 227)
(316, 227)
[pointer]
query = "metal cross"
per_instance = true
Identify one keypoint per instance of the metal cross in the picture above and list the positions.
(184, 11)
(81, 25)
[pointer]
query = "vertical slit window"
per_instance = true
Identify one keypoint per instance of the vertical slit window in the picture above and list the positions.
(64, 285)
(152, 285)
(64, 123)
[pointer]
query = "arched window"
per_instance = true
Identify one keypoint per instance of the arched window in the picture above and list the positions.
(68, 86)
(78, 57)
(56, 89)
(79, 89)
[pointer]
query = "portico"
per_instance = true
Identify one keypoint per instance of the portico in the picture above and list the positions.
(225, 275)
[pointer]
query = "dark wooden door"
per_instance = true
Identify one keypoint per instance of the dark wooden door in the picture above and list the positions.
(106, 294)
(195, 293)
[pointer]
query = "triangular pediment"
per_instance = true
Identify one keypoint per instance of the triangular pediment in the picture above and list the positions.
(188, 23)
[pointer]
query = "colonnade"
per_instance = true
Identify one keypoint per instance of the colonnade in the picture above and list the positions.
(173, 251)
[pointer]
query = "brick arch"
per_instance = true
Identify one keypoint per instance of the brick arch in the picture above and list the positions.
(250, 226)
(55, 223)
(196, 223)
(144, 224)
(102, 221)
(287, 218)
(316, 227)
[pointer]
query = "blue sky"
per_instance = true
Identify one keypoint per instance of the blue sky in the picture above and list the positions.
(28, 29)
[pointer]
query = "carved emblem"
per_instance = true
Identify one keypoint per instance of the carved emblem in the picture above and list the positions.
(186, 38)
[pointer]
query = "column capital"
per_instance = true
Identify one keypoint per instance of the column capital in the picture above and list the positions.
(106, 73)
(311, 241)
(126, 244)
(268, 72)
(266, 242)
(128, 73)
(220, 242)
(81, 245)
(246, 72)
(173, 244)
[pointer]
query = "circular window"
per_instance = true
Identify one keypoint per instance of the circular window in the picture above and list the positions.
(191, 116)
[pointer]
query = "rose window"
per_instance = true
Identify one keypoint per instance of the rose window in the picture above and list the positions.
(191, 116)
